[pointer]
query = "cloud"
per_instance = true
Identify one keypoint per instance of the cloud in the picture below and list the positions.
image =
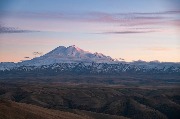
(127, 32)
(158, 13)
(94, 16)
(132, 21)
(4, 29)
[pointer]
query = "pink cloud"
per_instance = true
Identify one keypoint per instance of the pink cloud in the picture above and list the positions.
(122, 21)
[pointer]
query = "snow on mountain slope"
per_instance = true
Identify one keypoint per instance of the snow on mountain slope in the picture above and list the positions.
(68, 58)
(71, 54)
(7, 65)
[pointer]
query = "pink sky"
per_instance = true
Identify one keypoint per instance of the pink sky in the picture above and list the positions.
(121, 32)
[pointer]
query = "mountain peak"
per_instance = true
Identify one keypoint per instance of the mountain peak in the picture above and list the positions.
(73, 47)
(70, 54)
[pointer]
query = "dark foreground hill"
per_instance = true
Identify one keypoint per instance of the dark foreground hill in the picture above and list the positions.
(92, 101)
(14, 110)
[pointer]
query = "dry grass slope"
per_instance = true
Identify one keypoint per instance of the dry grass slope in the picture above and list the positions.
(14, 110)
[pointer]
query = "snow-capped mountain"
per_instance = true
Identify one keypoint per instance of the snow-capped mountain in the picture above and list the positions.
(71, 54)
(7, 65)
(73, 59)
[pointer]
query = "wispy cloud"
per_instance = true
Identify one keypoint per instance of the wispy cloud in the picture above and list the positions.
(128, 23)
(95, 16)
(127, 32)
(4, 29)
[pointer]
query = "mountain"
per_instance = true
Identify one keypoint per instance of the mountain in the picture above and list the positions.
(75, 60)
(7, 65)
(71, 54)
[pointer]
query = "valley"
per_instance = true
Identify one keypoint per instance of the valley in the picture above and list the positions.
(96, 100)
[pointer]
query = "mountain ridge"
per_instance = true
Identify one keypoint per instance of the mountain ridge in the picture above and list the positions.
(71, 54)
(68, 58)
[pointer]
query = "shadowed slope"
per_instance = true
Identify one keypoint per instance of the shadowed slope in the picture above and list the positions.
(14, 110)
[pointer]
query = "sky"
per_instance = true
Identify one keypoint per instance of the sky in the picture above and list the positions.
(129, 29)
